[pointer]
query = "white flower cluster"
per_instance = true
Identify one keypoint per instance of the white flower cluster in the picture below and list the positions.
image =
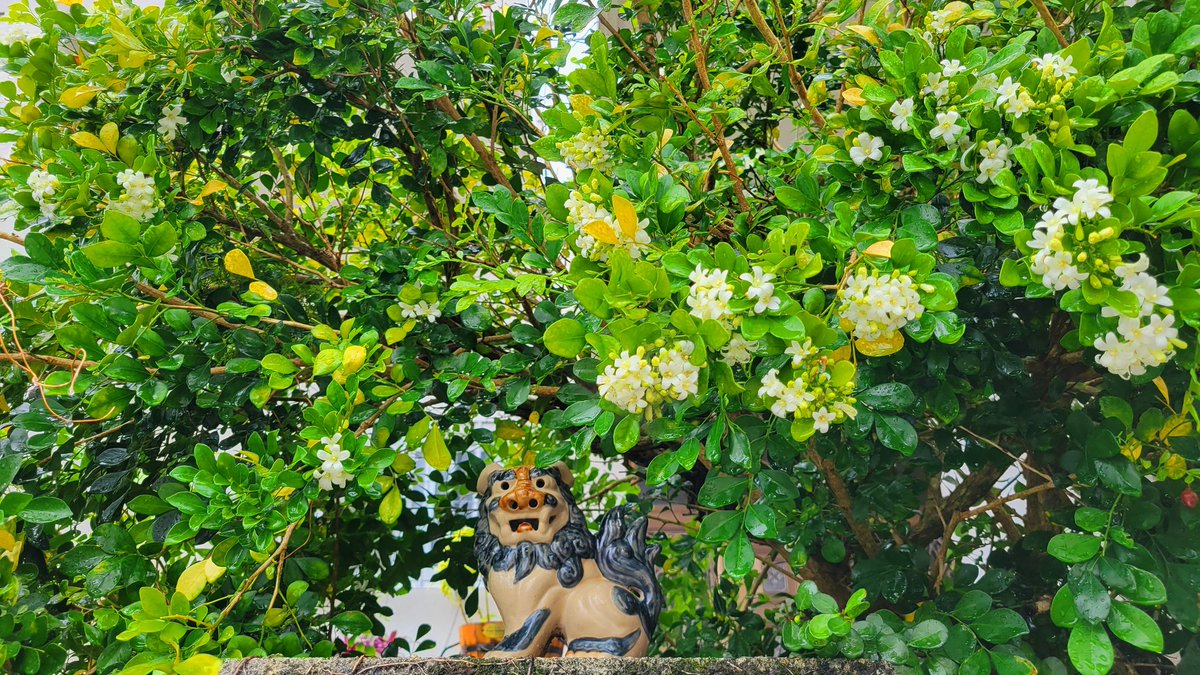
(140, 200)
(588, 150)
(761, 290)
(993, 159)
(738, 351)
(43, 185)
(172, 118)
(940, 21)
(864, 147)
(1143, 341)
(1054, 66)
(1053, 261)
(710, 294)
(332, 470)
(1013, 98)
(878, 306)
(809, 394)
(13, 33)
(634, 383)
(421, 310)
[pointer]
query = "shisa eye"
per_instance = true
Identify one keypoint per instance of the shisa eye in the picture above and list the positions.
(541, 483)
(504, 485)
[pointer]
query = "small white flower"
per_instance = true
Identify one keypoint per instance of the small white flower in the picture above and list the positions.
(937, 86)
(800, 351)
(678, 377)
(710, 294)
(864, 147)
(901, 110)
(13, 33)
(761, 290)
(589, 149)
(421, 310)
(739, 350)
(172, 118)
(952, 67)
(1091, 198)
(822, 418)
(626, 381)
(947, 127)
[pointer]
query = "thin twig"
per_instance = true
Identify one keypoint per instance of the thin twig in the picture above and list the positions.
(1051, 23)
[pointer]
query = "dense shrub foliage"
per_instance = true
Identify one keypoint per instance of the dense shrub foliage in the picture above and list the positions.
(902, 298)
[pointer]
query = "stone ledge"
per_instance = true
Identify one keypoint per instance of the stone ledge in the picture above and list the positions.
(758, 665)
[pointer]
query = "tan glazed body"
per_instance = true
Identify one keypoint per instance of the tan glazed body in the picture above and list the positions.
(550, 576)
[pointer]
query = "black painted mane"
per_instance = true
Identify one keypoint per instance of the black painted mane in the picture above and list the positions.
(565, 554)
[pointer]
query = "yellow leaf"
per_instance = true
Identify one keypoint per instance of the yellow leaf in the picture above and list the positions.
(626, 215)
(212, 571)
(601, 231)
(403, 464)
(200, 664)
(263, 290)
(237, 263)
(884, 346)
(29, 113)
(867, 33)
(1132, 450)
(853, 96)
(1162, 389)
(274, 617)
(437, 455)
(1177, 425)
(390, 507)
(108, 136)
(211, 187)
(880, 249)
(77, 97)
(283, 492)
(509, 431)
(353, 358)
(193, 580)
(545, 33)
(1175, 466)
(88, 140)
(133, 59)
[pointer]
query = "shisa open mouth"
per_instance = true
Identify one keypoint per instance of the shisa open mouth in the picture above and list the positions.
(524, 524)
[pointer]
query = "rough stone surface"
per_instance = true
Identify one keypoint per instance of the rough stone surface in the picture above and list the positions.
(761, 665)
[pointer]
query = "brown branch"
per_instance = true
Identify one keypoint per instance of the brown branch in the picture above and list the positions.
(784, 53)
(841, 495)
(939, 562)
(279, 550)
(215, 316)
(701, 58)
(970, 490)
(1051, 23)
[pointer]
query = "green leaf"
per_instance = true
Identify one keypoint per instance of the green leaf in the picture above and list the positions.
(111, 253)
(1148, 589)
(719, 527)
(929, 634)
(1073, 548)
(159, 239)
(626, 433)
(896, 433)
(1135, 627)
(565, 338)
(1062, 608)
(719, 491)
(999, 626)
(661, 468)
(45, 510)
(760, 522)
(1090, 649)
(352, 623)
(739, 556)
(120, 227)
(890, 396)
(972, 605)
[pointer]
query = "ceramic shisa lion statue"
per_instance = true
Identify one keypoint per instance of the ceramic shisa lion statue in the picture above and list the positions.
(551, 577)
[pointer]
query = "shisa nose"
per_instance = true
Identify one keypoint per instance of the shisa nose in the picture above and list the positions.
(522, 498)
